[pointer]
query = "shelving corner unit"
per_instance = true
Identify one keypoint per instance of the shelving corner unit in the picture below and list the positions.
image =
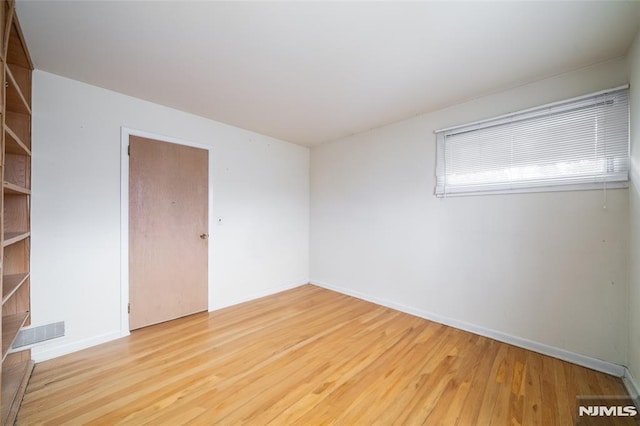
(15, 216)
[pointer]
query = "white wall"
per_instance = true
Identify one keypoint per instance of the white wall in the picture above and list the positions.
(634, 215)
(547, 267)
(261, 192)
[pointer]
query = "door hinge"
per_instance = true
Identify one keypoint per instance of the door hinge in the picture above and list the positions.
(128, 149)
(129, 308)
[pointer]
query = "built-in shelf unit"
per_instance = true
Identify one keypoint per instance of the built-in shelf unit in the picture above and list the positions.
(16, 208)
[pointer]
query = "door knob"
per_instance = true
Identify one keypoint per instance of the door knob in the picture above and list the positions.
(204, 236)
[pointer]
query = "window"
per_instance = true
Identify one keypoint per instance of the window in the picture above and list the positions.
(581, 143)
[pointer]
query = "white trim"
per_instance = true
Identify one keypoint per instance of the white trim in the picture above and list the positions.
(260, 294)
(633, 387)
(575, 358)
(634, 175)
(524, 111)
(44, 354)
(535, 189)
(124, 217)
(124, 231)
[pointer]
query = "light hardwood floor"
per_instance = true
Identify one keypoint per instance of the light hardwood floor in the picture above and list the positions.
(307, 356)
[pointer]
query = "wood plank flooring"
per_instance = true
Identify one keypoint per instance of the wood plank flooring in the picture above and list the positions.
(307, 356)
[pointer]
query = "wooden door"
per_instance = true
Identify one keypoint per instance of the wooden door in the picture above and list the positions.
(168, 225)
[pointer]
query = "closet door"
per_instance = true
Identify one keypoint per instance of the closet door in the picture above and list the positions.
(168, 225)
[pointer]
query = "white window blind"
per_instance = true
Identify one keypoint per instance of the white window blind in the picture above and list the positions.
(580, 143)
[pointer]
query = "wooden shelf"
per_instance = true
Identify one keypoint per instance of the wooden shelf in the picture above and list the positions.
(14, 237)
(11, 325)
(15, 100)
(11, 283)
(22, 77)
(13, 189)
(13, 144)
(17, 50)
(20, 125)
(14, 383)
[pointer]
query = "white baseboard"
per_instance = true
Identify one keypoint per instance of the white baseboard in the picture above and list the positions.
(40, 354)
(633, 387)
(575, 358)
(257, 295)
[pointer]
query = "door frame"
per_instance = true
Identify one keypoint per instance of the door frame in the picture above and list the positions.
(125, 132)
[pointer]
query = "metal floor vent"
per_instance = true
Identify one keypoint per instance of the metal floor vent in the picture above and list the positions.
(29, 336)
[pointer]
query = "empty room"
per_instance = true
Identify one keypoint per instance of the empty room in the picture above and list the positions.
(290, 212)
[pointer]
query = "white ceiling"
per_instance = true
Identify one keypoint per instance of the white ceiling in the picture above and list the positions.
(309, 72)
